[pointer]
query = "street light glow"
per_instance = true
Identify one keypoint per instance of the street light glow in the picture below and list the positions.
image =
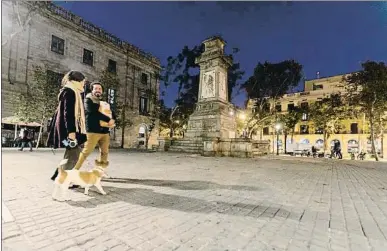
(278, 127)
(242, 116)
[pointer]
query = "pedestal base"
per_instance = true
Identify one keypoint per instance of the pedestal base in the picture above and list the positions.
(211, 119)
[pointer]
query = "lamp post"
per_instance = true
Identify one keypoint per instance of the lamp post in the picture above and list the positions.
(277, 129)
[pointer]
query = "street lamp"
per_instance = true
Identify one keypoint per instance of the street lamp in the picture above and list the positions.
(242, 116)
(277, 129)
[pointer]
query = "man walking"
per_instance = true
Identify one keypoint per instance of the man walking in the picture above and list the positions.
(99, 120)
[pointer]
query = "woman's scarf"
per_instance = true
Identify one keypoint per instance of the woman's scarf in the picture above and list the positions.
(77, 87)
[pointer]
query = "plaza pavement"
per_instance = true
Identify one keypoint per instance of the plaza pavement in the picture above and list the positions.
(165, 201)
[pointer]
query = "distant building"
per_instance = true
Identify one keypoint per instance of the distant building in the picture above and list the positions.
(353, 136)
(57, 38)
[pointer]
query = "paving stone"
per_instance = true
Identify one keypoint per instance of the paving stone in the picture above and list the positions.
(166, 201)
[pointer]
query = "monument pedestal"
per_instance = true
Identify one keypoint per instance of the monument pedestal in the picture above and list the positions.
(211, 128)
(212, 119)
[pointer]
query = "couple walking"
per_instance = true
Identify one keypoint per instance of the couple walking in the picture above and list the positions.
(77, 122)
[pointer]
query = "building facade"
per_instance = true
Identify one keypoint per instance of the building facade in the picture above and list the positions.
(57, 40)
(354, 133)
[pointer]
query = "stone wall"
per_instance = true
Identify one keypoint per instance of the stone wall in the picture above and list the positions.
(32, 47)
(244, 148)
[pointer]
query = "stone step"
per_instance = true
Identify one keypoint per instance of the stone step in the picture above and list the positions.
(186, 144)
(185, 147)
(185, 150)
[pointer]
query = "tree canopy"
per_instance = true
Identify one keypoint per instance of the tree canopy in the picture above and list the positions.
(269, 82)
(368, 90)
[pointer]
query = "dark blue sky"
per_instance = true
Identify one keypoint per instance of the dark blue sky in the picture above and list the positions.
(330, 37)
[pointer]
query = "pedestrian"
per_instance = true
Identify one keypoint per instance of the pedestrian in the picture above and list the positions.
(67, 128)
(337, 150)
(26, 139)
(99, 120)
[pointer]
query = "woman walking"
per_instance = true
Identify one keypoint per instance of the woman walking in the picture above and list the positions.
(67, 127)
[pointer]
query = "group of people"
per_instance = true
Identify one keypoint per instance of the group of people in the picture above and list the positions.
(79, 121)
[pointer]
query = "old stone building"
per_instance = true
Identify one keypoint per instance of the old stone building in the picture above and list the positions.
(43, 34)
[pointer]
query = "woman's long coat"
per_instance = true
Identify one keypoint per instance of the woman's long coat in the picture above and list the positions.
(63, 121)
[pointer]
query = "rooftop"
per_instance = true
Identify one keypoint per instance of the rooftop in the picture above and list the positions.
(77, 20)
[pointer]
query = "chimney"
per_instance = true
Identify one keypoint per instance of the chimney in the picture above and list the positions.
(318, 74)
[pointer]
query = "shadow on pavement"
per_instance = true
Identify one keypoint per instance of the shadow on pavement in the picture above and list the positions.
(180, 184)
(149, 198)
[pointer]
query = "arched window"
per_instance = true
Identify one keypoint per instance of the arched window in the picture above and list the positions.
(353, 146)
(304, 141)
(142, 131)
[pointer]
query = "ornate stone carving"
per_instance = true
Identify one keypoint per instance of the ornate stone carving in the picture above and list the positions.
(222, 86)
(208, 86)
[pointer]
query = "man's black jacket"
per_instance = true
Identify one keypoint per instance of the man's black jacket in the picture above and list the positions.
(93, 116)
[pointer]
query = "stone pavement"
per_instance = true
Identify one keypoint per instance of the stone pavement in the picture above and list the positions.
(165, 201)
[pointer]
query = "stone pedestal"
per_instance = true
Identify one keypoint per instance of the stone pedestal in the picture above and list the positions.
(211, 128)
(243, 148)
(211, 120)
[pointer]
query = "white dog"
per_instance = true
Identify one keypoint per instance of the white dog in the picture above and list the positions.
(84, 179)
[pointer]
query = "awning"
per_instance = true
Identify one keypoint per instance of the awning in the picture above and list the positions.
(14, 120)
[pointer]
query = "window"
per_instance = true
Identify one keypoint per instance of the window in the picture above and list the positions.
(304, 129)
(88, 57)
(354, 128)
(304, 106)
(143, 107)
(142, 131)
(54, 78)
(319, 144)
(111, 97)
(57, 45)
(290, 107)
(144, 78)
(278, 107)
(266, 131)
(112, 66)
(319, 131)
(317, 87)
(266, 107)
(304, 117)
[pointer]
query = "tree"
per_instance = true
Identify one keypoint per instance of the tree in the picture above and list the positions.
(368, 90)
(41, 99)
(327, 115)
(269, 82)
(183, 72)
(156, 111)
(289, 121)
(22, 20)
(118, 102)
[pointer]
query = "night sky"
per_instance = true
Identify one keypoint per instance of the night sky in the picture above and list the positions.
(330, 37)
